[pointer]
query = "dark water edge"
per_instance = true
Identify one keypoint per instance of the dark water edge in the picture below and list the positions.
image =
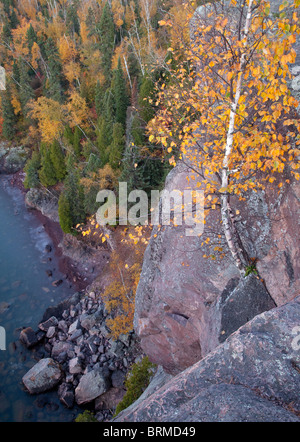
(26, 291)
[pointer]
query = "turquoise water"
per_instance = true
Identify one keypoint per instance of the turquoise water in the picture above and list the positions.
(25, 293)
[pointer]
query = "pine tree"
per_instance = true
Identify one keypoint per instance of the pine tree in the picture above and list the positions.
(64, 213)
(31, 170)
(117, 147)
(120, 94)
(8, 115)
(58, 160)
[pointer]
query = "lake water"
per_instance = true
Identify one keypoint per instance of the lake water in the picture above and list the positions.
(25, 293)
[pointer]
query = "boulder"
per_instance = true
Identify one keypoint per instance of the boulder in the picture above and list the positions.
(252, 377)
(75, 366)
(50, 322)
(60, 347)
(66, 395)
(43, 376)
(92, 385)
(110, 399)
(28, 337)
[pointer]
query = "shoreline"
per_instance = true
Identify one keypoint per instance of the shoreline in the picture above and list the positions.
(78, 279)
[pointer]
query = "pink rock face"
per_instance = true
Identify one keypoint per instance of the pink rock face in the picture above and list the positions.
(180, 296)
(280, 267)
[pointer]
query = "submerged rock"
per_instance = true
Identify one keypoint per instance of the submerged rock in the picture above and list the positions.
(43, 376)
(28, 337)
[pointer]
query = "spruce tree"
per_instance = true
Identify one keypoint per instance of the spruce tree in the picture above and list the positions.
(117, 147)
(8, 115)
(58, 160)
(120, 94)
(107, 41)
(132, 172)
(68, 135)
(47, 173)
(98, 98)
(54, 84)
(104, 139)
(146, 92)
(93, 164)
(64, 213)
(76, 141)
(26, 92)
(31, 170)
(72, 20)
(73, 191)
(31, 37)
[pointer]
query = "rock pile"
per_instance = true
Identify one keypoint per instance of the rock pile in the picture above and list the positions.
(90, 365)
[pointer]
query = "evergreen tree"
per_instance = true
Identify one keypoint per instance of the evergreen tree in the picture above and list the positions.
(31, 37)
(117, 147)
(120, 94)
(76, 141)
(137, 131)
(72, 20)
(6, 30)
(93, 164)
(146, 91)
(26, 92)
(132, 172)
(98, 98)
(8, 115)
(107, 41)
(58, 160)
(73, 191)
(64, 213)
(54, 84)
(47, 173)
(31, 170)
(105, 127)
(16, 72)
(68, 135)
(104, 139)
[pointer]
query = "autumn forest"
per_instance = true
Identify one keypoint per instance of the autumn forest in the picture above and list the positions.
(80, 79)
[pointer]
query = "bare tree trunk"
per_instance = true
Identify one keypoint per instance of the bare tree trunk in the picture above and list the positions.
(231, 234)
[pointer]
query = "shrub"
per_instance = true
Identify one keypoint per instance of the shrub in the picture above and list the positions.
(137, 381)
(86, 416)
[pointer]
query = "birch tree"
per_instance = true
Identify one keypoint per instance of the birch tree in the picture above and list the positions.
(227, 111)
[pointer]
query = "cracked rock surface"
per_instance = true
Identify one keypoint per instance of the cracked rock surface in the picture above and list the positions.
(254, 376)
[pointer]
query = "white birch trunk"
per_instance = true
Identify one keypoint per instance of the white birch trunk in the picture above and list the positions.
(230, 231)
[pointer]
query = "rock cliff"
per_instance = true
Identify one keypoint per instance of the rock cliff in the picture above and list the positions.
(187, 304)
(253, 376)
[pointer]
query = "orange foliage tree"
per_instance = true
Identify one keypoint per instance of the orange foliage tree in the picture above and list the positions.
(119, 296)
(227, 105)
